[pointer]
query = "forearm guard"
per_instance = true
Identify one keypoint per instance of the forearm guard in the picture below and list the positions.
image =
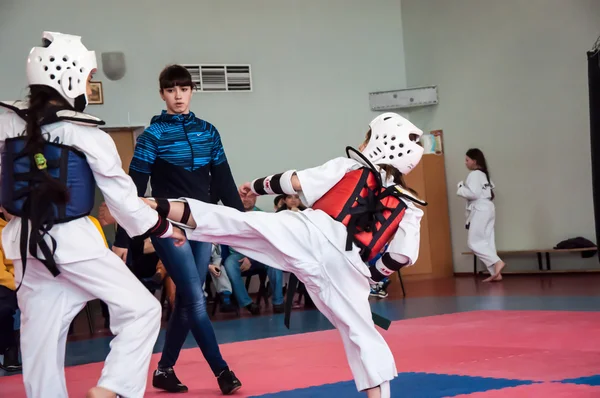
(278, 184)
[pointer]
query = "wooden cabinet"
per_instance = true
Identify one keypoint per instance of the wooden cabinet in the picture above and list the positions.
(124, 138)
(435, 254)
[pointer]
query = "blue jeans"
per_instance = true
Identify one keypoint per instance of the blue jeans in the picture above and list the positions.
(187, 266)
(232, 267)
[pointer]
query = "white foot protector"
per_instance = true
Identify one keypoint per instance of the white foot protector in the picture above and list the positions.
(385, 390)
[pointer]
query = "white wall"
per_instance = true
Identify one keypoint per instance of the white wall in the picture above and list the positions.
(512, 79)
(314, 63)
(511, 74)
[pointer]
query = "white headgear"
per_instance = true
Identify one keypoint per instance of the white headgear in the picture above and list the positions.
(394, 141)
(64, 64)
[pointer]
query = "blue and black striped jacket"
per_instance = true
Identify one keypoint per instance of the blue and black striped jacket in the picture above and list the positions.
(185, 158)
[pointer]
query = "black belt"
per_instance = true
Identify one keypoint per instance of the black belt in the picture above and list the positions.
(289, 298)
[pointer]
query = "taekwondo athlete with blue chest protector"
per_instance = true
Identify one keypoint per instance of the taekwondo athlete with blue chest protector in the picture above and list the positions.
(53, 156)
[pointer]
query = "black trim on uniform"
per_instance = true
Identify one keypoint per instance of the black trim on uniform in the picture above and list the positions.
(94, 122)
(159, 229)
(22, 112)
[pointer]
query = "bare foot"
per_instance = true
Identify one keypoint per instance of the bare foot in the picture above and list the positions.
(99, 392)
(498, 267)
(489, 279)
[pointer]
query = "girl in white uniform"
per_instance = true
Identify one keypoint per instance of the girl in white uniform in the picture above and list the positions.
(313, 246)
(478, 190)
(66, 263)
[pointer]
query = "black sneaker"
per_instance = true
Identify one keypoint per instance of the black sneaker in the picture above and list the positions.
(228, 383)
(165, 379)
(278, 308)
(11, 360)
(253, 308)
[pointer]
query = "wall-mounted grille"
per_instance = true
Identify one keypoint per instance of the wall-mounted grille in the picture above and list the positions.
(218, 78)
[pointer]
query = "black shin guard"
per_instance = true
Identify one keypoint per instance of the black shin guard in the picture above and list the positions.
(163, 207)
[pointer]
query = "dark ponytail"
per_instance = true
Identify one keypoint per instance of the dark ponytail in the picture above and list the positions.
(477, 156)
(42, 101)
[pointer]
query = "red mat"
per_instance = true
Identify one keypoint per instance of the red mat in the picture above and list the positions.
(524, 345)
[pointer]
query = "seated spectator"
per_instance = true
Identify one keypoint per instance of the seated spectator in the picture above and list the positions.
(291, 202)
(9, 338)
(220, 279)
(236, 264)
(278, 202)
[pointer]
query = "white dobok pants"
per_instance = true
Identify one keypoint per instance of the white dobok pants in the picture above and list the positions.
(49, 304)
(289, 241)
(481, 238)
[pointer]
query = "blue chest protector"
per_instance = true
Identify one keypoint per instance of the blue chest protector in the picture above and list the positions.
(24, 176)
(21, 177)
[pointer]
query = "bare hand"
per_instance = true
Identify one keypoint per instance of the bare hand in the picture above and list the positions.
(7, 215)
(245, 264)
(121, 252)
(216, 271)
(246, 190)
(178, 236)
(104, 215)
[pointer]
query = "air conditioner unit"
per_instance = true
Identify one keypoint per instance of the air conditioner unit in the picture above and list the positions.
(407, 98)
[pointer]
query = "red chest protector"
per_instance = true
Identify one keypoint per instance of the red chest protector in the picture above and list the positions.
(370, 212)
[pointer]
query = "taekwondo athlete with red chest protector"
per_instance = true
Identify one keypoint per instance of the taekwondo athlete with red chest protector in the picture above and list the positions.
(357, 205)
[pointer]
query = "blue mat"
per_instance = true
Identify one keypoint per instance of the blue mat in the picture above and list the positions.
(409, 385)
(589, 380)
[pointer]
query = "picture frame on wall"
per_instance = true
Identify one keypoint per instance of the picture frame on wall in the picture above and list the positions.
(97, 96)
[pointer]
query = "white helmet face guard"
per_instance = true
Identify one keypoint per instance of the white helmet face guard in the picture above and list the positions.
(395, 142)
(64, 64)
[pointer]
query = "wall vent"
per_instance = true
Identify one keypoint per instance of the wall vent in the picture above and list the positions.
(220, 78)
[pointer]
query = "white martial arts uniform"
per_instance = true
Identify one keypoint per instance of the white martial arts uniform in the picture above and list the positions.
(89, 270)
(481, 215)
(312, 245)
